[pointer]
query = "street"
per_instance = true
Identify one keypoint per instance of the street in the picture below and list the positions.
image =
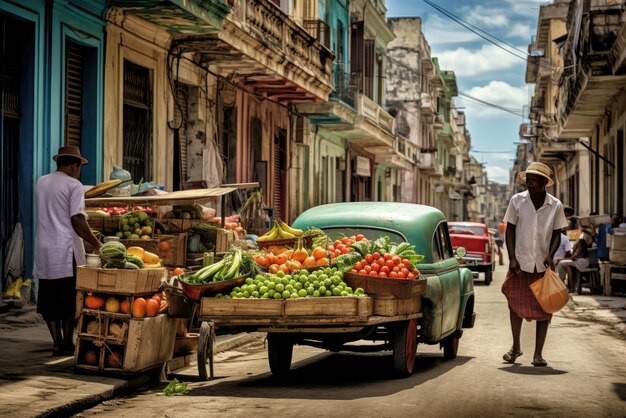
(585, 377)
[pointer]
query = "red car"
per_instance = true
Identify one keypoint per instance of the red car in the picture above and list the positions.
(475, 238)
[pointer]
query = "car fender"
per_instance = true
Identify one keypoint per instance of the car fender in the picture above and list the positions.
(467, 295)
(432, 306)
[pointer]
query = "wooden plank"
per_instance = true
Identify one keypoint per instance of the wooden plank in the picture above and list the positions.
(312, 330)
(181, 197)
(150, 342)
(218, 307)
(390, 306)
(332, 306)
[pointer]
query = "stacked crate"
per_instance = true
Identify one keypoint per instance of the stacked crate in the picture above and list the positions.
(117, 342)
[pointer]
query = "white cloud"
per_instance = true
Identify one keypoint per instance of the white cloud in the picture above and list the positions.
(486, 60)
(441, 30)
(497, 173)
(496, 92)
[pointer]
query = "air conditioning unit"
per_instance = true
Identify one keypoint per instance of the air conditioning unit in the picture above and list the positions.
(527, 130)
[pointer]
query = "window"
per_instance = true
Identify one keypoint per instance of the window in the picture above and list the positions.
(137, 122)
(74, 73)
(442, 248)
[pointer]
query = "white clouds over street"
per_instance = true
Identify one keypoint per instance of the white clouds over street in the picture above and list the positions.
(480, 62)
(496, 92)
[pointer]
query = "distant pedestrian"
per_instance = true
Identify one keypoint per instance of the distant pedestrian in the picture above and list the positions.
(61, 229)
(565, 249)
(534, 219)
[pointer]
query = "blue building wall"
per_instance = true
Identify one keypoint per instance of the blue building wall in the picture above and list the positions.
(48, 26)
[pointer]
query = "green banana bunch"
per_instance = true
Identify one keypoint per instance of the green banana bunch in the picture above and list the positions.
(280, 230)
(270, 235)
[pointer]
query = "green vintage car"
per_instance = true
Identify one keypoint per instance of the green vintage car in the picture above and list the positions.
(448, 304)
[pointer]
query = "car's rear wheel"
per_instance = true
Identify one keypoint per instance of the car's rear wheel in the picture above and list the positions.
(488, 276)
(405, 348)
(451, 345)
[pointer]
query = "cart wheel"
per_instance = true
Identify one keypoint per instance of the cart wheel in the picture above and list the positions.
(205, 350)
(451, 345)
(405, 348)
(488, 276)
(279, 353)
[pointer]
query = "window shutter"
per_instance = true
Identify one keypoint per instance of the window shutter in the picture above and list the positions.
(181, 118)
(74, 69)
(368, 70)
(280, 167)
(356, 53)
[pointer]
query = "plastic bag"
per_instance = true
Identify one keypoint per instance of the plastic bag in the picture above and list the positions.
(550, 292)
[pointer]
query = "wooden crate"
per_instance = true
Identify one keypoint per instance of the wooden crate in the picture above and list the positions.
(175, 225)
(122, 281)
(334, 306)
(223, 239)
(384, 286)
(617, 256)
(96, 223)
(176, 254)
(111, 224)
(391, 306)
(617, 242)
(150, 342)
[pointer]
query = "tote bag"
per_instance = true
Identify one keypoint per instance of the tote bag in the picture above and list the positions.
(550, 292)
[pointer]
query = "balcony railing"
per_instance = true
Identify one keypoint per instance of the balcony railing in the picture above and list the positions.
(371, 110)
(345, 87)
(277, 30)
(427, 105)
(406, 148)
(319, 29)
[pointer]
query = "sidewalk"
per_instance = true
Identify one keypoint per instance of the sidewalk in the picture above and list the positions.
(34, 383)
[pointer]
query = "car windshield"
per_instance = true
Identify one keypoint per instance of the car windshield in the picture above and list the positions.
(466, 229)
(369, 232)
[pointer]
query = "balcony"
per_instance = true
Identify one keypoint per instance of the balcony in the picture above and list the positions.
(319, 29)
(179, 16)
(427, 162)
(403, 155)
(438, 121)
(427, 105)
(587, 85)
(340, 109)
(265, 52)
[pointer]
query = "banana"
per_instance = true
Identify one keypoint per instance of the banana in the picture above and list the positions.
(285, 234)
(100, 188)
(294, 231)
(270, 235)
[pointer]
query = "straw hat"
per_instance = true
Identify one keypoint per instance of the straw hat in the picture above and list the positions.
(540, 169)
(70, 151)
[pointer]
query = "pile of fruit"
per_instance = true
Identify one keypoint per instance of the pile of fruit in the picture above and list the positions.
(136, 225)
(280, 230)
(281, 258)
(380, 258)
(342, 246)
(233, 264)
(114, 254)
(300, 284)
(140, 307)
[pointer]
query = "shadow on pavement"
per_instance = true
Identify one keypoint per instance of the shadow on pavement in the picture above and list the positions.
(531, 370)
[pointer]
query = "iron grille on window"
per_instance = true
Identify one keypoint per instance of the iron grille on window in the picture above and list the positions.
(137, 121)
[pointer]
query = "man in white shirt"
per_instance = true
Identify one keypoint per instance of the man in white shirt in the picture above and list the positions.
(61, 229)
(534, 221)
(565, 249)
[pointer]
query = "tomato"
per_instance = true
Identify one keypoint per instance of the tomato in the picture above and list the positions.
(396, 259)
(406, 263)
(401, 275)
(367, 268)
(388, 256)
(411, 276)
(373, 273)
(393, 274)
(382, 274)
(385, 269)
(363, 272)
(358, 265)
(331, 248)
(369, 258)
(345, 250)
(404, 271)
(354, 271)
(396, 269)
(376, 255)
(359, 237)
(415, 271)
(336, 243)
(390, 264)
(375, 267)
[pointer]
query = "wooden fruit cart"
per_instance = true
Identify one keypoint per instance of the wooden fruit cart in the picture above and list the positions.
(390, 314)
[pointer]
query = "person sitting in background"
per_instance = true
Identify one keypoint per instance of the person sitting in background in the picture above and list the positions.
(579, 259)
(565, 249)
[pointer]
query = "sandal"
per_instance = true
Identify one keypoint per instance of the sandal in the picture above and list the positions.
(511, 356)
(539, 362)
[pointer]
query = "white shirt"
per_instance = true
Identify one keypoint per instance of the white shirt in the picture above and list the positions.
(564, 247)
(58, 197)
(534, 228)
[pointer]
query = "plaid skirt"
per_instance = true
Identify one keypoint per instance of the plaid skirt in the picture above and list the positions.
(521, 299)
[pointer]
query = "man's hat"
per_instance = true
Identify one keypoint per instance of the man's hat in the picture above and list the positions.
(540, 169)
(70, 151)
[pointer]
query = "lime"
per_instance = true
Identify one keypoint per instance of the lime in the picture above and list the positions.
(119, 234)
(277, 295)
(344, 293)
(271, 285)
(280, 287)
(328, 293)
(297, 285)
(246, 294)
(336, 291)
(142, 216)
(348, 289)
(316, 294)
(271, 293)
(359, 291)
(302, 293)
(249, 280)
(280, 273)
(310, 290)
(255, 294)
(286, 294)
(264, 296)
(294, 295)
(289, 287)
(236, 289)
(263, 289)
(322, 290)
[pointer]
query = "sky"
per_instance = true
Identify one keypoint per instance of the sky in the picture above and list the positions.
(483, 70)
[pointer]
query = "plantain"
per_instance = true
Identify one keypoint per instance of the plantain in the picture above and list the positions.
(284, 234)
(100, 188)
(294, 231)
